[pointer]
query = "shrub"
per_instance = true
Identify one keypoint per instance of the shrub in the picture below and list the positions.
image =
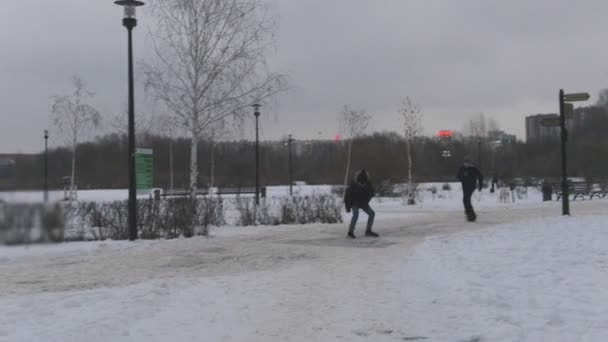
(167, 218)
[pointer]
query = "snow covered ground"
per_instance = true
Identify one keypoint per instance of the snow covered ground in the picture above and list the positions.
(123, 194)
(522, 273)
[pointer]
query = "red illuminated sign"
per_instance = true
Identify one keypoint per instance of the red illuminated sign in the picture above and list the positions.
(445, 133)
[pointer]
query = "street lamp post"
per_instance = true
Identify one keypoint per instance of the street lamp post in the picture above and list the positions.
(563, 139)
(479, 154)
(256, 113)
(129, 21)
(289, 141)
(46, 165)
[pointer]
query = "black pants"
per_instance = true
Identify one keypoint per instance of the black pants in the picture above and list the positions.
(468, 207)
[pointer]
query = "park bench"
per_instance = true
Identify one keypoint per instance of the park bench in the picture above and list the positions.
(240, 191)
(599, 190)
(182, 192)
(220, 191)
(580, 190)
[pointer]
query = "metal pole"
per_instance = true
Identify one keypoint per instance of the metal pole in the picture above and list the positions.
(564, 138)
(257, 153)
(46, 166)
(289, 141)
(130, 23)
(171, 164)
(479, 154)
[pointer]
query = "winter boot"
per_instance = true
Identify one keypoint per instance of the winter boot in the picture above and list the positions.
(351, 235)
(369, 232)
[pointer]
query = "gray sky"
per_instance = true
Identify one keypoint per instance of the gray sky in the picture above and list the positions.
(506, 59)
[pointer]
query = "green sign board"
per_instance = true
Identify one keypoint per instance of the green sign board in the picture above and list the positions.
(143, 168)
(576, 97)
(550, 122)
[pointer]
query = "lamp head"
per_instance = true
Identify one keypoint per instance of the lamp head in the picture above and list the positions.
(129, 6)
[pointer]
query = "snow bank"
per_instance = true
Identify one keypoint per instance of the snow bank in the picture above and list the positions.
(535, 280)
(543, 280)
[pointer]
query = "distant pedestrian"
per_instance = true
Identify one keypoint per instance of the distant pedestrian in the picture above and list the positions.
(358, 195)
(469, 176)
(494, 182)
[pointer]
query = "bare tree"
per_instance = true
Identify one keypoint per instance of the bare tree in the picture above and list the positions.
(220, 129)
(479, 126)
(74, 118)
(209, 63)
(167, 129)
(412, 128)
(353, 123)
(602, 99)
(120, 122)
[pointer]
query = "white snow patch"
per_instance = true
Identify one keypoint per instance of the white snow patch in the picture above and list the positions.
(539, 279)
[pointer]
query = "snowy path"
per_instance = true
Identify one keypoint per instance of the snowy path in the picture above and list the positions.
(308, 283)
(230, 251)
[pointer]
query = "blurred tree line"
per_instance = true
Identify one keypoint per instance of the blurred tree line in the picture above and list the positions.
(102, 163)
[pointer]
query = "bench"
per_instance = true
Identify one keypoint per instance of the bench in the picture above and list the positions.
(183, 192)
(598, 190)
(581, 189)
(240, 191)
(220, 191)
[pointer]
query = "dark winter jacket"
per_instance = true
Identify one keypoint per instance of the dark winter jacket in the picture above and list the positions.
(359, 191)
(469, 176)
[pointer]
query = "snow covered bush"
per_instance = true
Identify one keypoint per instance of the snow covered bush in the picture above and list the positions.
(289, 210)
(29, 223)
(385, 188)
(337, 190)
(167, 218)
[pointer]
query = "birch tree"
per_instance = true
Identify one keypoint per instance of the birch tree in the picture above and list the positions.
(412, 128)
(168, 130)
(220, 129)
(353, 124)
(74, 118)
(479, 126)
(209, 63)
(119, 122)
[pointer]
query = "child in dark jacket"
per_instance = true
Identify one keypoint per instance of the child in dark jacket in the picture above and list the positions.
(358, 195)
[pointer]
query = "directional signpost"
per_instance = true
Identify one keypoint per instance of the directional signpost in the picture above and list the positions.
(551, 122)
(566, 109)
(576, 97)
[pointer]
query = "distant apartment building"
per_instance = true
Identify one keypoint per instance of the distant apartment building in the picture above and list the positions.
(7, 171)
(13, 167)
(502, 137)
(536, 132)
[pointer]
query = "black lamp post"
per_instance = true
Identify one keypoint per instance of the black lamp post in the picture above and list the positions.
(479, 154)
(256, 112)
(289, 141)
(130, 22)
(46, 166)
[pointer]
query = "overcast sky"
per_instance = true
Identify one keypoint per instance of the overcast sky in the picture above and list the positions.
(506, 59)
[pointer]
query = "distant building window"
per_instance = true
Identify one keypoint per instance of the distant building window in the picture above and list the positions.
(7, 167)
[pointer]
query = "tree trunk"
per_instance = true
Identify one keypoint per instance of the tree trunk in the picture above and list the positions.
(350, 148)
(411, 194)
(193, 164)
(73, 175)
